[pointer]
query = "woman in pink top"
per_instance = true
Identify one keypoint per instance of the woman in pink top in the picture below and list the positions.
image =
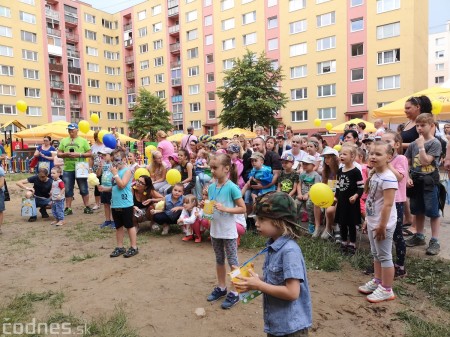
(165, 147)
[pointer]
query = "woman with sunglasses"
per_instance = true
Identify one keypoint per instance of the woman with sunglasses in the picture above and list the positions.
(45, 155)
(144, 198)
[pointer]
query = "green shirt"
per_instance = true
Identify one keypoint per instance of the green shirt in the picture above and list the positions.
(79, 145)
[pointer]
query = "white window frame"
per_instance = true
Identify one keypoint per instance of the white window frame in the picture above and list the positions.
(297, 26)
(93, 67)
(156, 10)
(326, 67)
(248, 18)
(299, 71)
(142, 15)
(295, 5)
(5, 31)
(381, 85)
(194, 107)
(326, 19)
(249, 39)
(228, 64)
(192, 34)
(356, 70)
(144, 64)
(228, 44)
(194, 89)
(7, 90)
(210, 77)
(93, 83)
(322, 112)
(157, 27)
(208, 20)
(197, 124)
(34, 74)
(388, 56)
(94, 99)
(439, 66)
(326, 43)
(226, 4)
(387, 5)
(158, 44)
(159, 78)
(298, 49)
(357, 29)
(272, 44)
(228, 24)
(34, 111)
(192, 53)
(32, 92)
(27, 17)
(357, 44)
(191, 16)
(209, 39)
(322, 90)
(298, 116)
(193, 71)
(28, 36)
(5, 11)
(6, 70)
(143, 48)
(142, 32)
(354, 95)
(6, 51)
(91, 51)
(298, 94)
(272, 22)
(388, 30)
(145, 80)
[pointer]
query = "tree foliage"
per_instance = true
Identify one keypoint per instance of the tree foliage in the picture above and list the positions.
(149, 115)
(251, 94)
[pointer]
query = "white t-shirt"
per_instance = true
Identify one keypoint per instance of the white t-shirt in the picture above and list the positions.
(378, 183)
(298, 158)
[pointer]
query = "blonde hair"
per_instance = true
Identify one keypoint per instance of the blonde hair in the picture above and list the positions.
(351, 147)
(389, 150)
(161, 134)
(288, 229)
(154, 167)
(190, 198)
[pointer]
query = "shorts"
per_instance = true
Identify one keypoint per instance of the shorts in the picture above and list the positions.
(97, 193)
(69, 183)
(426, 203)
(105, 197)
(123, 217)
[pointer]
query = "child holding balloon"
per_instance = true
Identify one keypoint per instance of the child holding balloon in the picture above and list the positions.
(158, 170)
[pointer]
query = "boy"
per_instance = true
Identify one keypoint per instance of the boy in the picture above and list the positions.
(423, 185)
(57, 194)
(288, 179)
(104, 171)
(308, 178)
(287, 301)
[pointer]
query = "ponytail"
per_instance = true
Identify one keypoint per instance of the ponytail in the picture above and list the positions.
(234, 173)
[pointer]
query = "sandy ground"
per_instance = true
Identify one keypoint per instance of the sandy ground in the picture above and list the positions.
(162, 286)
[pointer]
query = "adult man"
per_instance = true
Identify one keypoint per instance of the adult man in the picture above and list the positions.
(74, 149)
(380, 128)
(271, 159)
(186, 140)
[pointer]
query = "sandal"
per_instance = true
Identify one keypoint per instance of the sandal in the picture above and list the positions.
(117, 252)
(54, 222)
(131, 252)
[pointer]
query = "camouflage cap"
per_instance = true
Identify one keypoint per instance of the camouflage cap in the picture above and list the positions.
(277, 205)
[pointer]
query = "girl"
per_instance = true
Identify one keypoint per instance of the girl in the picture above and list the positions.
(105, 187)
(348, 191)
(270, 143)
(303, 143)
(381, 222)
(187, 171)
(227, 202)
(57, 195)
(399, 166)
(235, 152)
(201, 164)
(329, 177)
(144, 197)
(158, 170)
(132, 163)
(312, 149)
(45, 154)
(173, 206)
(191, 217)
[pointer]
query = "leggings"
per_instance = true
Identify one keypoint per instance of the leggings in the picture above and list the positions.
(348, 229)
(200, 225)
(226, 247)
(400, 247)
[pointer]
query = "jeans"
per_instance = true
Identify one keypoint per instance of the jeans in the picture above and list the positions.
(42, 204)
(200, 181)
(58, 209)
(69, 183)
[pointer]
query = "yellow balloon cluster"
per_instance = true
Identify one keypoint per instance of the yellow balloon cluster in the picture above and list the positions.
(173, 176)
(84, 126)
(93, 180)
(317, 122)
(95, 118)
(321, 195)
(21, 106)
(141, 171)
(148, 151)
(328, 126)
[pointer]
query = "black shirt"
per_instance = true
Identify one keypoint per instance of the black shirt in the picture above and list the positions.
(41, 188)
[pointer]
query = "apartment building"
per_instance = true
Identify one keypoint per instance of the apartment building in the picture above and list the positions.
(341, 58)
(439, 57)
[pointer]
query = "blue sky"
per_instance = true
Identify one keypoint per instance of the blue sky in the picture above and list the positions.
(439, 10)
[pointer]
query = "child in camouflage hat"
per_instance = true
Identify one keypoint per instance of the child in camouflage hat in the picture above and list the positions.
(287, 302)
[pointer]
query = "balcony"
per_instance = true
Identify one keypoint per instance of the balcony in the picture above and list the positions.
(56, 67)
(73, 53)
(176, 82)
(51, 14)
(131, 90)
(70, 20)
(174, 11)
(172, 3)
(75, 87)
(74, 70)
(75, 104)
(128, 26)
(177, 99)
(129, 59)
(54, 31)
(175, 64)
(130, 75)
(175, 47)
(72, 37)
(128, 43)
(174, 29)
(57, 85)
(131, 105)
(58, 102)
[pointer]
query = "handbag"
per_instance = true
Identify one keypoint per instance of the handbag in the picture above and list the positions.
(6, 192)
(34, 162)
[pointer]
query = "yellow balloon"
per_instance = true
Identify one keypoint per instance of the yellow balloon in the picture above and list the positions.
(141, 172)
(436, 107)
(328, 126)
(317, 122)
(321, 195)
(84, 126)
(21, 106)
(173, 176)
(148, 151)
(337, 147)
(95, 118)
(101, 133)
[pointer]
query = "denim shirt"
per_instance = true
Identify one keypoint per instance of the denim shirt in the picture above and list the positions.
(170, 204)
(284, 260)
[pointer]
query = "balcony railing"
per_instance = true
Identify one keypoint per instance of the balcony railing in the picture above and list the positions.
(54, 31)
(128, 26)
(131, 90)
(128, 43)
(130, 75)
(175, 47)
(129, 59)
(131, 105)
(71, 20)
(173, 11)
(51, 14)
(172, 3)
(72, 37)
(177, 99)
(176, 81)
(58, 85)
(75, 87)
(73, 53)
(56, 67)
(58, 102)
(175, 64)
(75, 104)
(74, 70)
(174, 29)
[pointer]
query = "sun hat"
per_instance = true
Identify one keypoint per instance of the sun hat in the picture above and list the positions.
(329, 150)
(309, 160)
(287, 157)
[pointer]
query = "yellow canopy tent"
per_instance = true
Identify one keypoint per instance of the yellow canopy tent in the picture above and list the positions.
(396, 109)
(236, 131)
(176, 137)
(340, 128)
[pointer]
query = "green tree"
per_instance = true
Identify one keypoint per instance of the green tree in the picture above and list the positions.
(149, 115)
(250, 94)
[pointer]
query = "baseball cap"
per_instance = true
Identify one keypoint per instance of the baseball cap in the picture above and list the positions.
(368, 139)
(257, 155)
(233, 148)
(72, 126)
(277, 205)
(287, 157)
(105, 150)
(329, 150)
(309, 160)
(174, 156)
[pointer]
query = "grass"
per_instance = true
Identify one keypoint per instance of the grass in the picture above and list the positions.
(17, 176)
(80, 258)
(88, 233)
(115, 325)
(417, 327)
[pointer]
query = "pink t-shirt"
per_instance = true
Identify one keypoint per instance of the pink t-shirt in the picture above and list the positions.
(166, 148)
(400, 163)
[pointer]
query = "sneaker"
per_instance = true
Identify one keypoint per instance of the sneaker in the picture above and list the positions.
(96, 207)
(316, 233)
(188, 238)
(198, 240)
(68, 211)
(156, 228)
(112, 225)
(105, 224)
(400, 273)
(381, 295)
(165, 230)
(131, 252)
(117, 252)
(433, 248)
(368, 288)
(231, 300)
(216, 294)
(337, 237)
(311, 228)
(415, 240)
(326, 235)
(88, 210)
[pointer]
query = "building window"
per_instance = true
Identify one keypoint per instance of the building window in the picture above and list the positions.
(272, 22)
(387, 5)
(208, 20)
(272, 44)
(156, 10)
(142, 15)
(115, 116)
(5, 11)
(160, 93)
(6, 51)
(358, 49)
(211, 96)
(194, 107)
(300, 93)
(326, 43)
(29, 55)
(145, 80)
(27, 17)
(192, 53)
(209, 77)
(354, 3)
(326, 113)
(440, 41)
(6, 109)
(326, 90)
(207, 3)
(326, 19)
(34, 111)
(8, 90)
(298, 71)
(92, 51)
(193, 71)
(5, 31)
(389, 82)
(228, 44)
(194, 89)
(28, 36)
(295, 5)
(248, 18)
(74, 79)
(389, 30)
(191, 16)
(440, 66)
(439, 79)
(159, 78)
(389, 56)
(209, 40)
(211, 114)
(358, 98)
(142, 32)
(32, 92)
(298, 49)
(143, 48)
(6, 70)
(299, 116)
(210, 58)
(356, 24)
(197, 125)
(93, 99)
(144, 65)
(297, 27)
(228, 24)
(159, 61)
(158, 44)
(326, 67)
(249, 39)
(191, 34)
(440, 54)
(89, 18)
(90, 35)
(357, 74)
(93, 67)
(271, 3)
(31, 74)
(226, 4)
(157, 27)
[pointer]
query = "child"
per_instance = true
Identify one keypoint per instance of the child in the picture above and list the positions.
(189, 215)
(158, 170)
(308, 178)
(132, 163)
(348, 191)
(329, 177)
(188, 176)
(201, 165)
(399, 166)
(122, 205)
(287, 301)
(235, 151)
(381, 222)
(288, 179)
(105, 187)
(174, 162)
(423, 186)
(57, 194)
(228, 201)
(312, 148)
(172, 209)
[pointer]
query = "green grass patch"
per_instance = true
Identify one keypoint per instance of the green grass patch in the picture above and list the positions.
(80, 258)
(89, 233)
(417, 327)
(17, 176)
(115, 325)
(251, 240)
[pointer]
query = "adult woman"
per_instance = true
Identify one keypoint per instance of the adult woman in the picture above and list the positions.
(351, 136)
(93, 163)
(289, 135)
(270, 143)
(318, 138)
(144, 197)
(165, 147)
(247, 152)
(45, 155)
(414, 106)
(298, 153)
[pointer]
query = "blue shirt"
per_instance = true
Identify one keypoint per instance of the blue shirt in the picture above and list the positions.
(121, 198)
(265, 176)
(107, 176)
(284, 260)
(169, 204)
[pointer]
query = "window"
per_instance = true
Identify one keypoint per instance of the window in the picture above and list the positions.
(356, 24)
(5, 11)
(158, 44)
(228, 24)
(246, 1)
(159, 78)
(31, 74)
(299, 116)
(34, 111)
(92, 51)
(159, 61)
(298, 71)
(211, 114)
(93, 83)
(228, 64)
(113, 101)
(27, 17)
(326, 113)
(89, 18)
(271, 3)
(389, 82)
(209, 40)
(197, 125)
(272, 22)
(111, 86)
(439, 79)
(211, 96)
(192, 53)
(191, 34)
(357, 49)
(249, 39)
(208, 20)
(274, 64)
(6, 51)
(389, 30)
(6, 70)
(90, 35)
(272, 44)
(160, 93)
(440, 66)
(326, 19)
(191, 16)
(109, 55)
(298, 49)
(93, 67)
(194, 107)
(210, 58)
(248, 18)
(94, 99)
(228, 44)
(358, 98)
(5, 31)
(209, 77)
(296, 5)
(145, 80)
(326, 90)
(193, 71)
(109, 70)
(144, 65)
(326, 67)
(207, 3)
(143, 48)
(115, 115)
(74, 79)
(387, 5)
(388, 56)
(354, 3)
(321, 1)
(29, 55)
(28, 36)
(326, 43)
(157, 27)
(226, 4)
(108, 39)
(142, 32)
(142, 15)
(32, 92)
(8, 90)
(440, 54)
(357, 74)
(194, 89)
(301, 93)
(440, 41)
(6, 109)
(156, 10)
